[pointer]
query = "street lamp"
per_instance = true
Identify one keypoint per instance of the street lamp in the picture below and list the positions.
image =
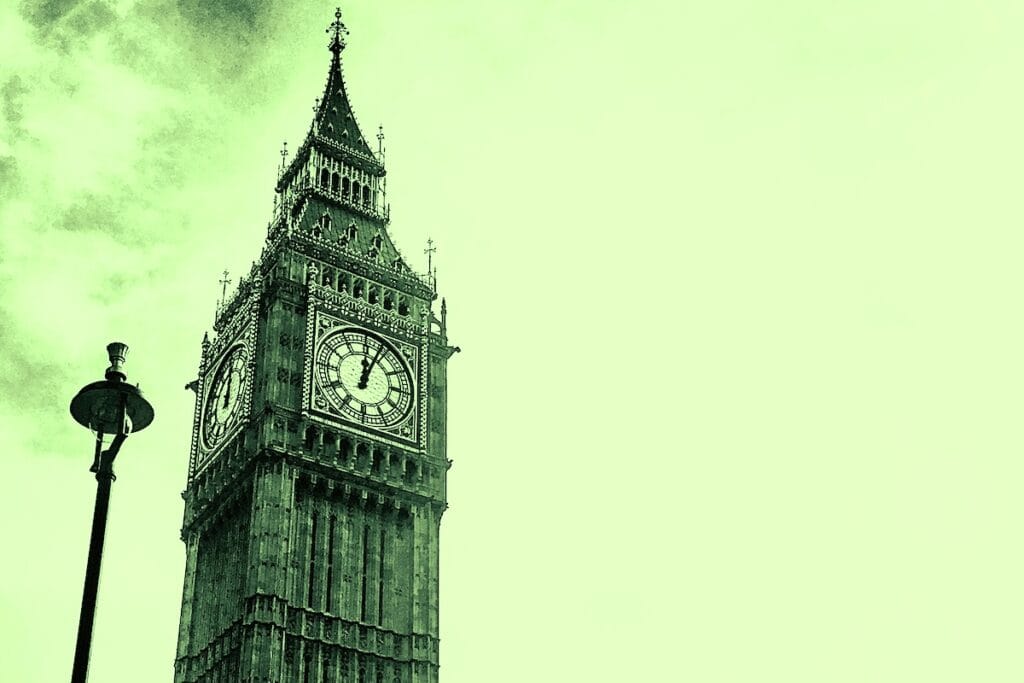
(114, 408)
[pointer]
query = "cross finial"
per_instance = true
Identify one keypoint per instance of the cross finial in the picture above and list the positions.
(339, 30)
(224, 282)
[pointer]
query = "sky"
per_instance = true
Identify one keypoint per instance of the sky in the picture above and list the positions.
(736, 285)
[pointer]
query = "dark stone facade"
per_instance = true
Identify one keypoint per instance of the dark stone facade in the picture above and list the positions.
(318, 465)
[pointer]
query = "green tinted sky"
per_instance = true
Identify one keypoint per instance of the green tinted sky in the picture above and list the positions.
(737, 286)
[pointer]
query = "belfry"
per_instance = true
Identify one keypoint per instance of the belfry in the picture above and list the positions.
(317, 473)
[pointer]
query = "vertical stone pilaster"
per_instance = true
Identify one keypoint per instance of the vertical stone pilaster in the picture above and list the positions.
(187, 601)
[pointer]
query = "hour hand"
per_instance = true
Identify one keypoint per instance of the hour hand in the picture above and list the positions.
(364, 376)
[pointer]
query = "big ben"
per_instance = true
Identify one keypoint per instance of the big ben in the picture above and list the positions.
(318, 461)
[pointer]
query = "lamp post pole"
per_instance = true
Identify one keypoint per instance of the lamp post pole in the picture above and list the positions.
(111, 407)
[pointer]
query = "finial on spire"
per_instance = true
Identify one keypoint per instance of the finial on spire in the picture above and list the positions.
(380, 142)
(224, 282)
(284, 157)
(339, 30)
(431, 271)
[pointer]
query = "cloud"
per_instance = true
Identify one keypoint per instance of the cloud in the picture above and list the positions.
(109, 120)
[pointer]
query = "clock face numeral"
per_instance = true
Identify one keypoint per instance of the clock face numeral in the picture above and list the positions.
(224, 396)
(364, 378)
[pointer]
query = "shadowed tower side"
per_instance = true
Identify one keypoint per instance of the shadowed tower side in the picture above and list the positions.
(318, 462)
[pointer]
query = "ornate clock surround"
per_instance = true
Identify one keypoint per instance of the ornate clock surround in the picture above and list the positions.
(327, 315)
(239, 332)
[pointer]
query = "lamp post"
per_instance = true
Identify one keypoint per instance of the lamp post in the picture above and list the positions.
(114, 408)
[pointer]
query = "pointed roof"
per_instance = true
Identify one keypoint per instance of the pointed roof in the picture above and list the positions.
(334, 118)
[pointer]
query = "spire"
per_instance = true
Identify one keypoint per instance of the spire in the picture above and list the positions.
(334, 118)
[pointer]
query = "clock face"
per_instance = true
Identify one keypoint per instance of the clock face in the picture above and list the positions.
(224, 398)
(364, 378)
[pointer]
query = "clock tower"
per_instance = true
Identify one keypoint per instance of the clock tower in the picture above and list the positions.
(316, 479)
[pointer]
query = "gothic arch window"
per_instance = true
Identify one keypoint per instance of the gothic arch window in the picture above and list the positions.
(330, 127)
(375, 245)
(344, 450)
(322, 225)
(374, 295)
(403, 307)
(325, 177)
(358, 288)
(345, 186)
(355, 191)
(389, 301)
(366, 194)
(347, 235)
(335, 182)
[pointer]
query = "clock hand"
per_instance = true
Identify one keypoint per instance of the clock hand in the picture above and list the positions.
(365, 376)
(380, 352)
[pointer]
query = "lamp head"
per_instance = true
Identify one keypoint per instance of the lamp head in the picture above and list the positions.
(112, 406)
